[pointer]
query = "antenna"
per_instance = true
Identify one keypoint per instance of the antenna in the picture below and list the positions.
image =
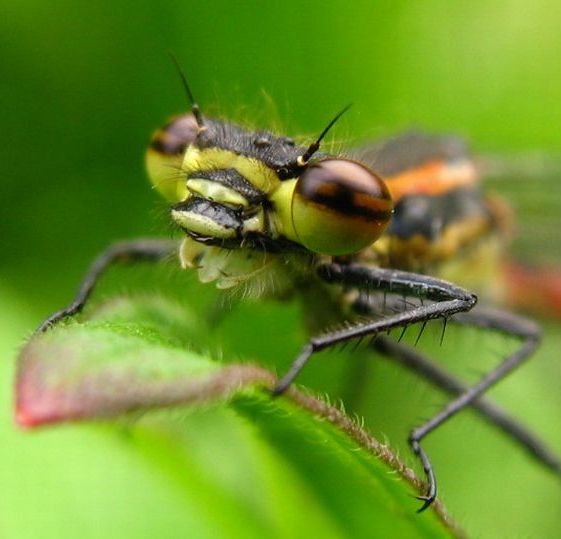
(314, 146)
(194, 105)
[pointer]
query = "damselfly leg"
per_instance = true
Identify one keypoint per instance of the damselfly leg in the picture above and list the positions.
(444, 301)
(421, 365)
(149, 250)
(447, 300)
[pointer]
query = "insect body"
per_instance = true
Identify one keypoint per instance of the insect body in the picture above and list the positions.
(258, 211)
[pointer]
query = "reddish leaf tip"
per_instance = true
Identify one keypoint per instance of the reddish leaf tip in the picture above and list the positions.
(31, 410)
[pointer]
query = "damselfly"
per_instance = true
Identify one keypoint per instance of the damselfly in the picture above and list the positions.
(378, 235)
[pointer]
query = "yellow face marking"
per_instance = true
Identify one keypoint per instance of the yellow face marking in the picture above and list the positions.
(259, 175)
(256, 223)
(200, 224)
(212, 190)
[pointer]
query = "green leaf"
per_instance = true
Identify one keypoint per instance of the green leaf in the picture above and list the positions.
(240, 463)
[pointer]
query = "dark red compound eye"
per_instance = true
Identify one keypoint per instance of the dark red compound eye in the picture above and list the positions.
(165, 155)
(340, 207)
(174, 137)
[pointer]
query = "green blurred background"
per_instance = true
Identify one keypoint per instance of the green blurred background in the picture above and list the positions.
(83, 85)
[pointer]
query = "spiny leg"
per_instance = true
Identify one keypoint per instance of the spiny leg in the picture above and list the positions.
(448, 300)
(486, 318)
(151, 250)
(423, 366)
(516, 326)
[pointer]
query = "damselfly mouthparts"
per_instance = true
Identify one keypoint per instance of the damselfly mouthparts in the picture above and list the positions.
(401, 219)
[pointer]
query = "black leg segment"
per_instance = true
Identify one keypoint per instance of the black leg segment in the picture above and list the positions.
(496, 320)
(140, 250)
(424, 367)
(448, 299)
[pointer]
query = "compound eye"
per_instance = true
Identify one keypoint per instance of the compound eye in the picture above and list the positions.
(175, 136)
(165, 155)
(340, 207)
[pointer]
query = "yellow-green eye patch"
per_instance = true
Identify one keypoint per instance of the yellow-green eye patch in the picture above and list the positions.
(339, 207)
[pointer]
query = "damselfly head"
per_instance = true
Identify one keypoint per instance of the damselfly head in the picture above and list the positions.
(232, 188)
